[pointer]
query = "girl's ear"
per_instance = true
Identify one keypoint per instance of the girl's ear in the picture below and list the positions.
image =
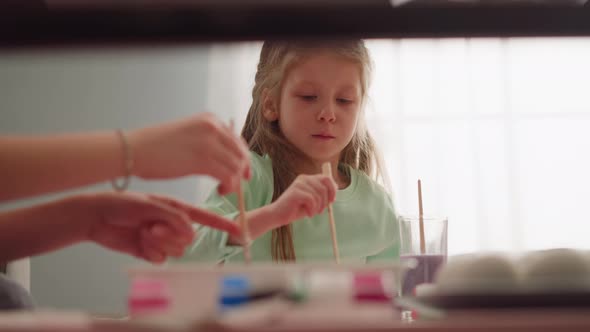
(269, 107)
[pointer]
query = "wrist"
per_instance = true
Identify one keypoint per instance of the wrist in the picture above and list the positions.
(77, 213)
(134, 140)
(260, 221)
(263, 220)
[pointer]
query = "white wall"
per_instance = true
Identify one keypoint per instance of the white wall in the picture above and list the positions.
(80, 90)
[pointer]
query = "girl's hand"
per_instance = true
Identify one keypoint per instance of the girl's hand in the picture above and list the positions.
(198, 145)
(307, 196)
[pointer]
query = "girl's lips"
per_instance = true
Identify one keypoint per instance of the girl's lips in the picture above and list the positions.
(324, 137)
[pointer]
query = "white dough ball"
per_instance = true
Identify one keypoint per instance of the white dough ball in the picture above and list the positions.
(555, 269)
(480, 274)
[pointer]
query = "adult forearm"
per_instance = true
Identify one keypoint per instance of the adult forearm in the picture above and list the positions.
(42, 228)
(44, 164)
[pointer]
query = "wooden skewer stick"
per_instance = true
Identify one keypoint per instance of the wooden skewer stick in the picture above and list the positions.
(327, 170)
(242, 216)
(421, 217)
(244, 226)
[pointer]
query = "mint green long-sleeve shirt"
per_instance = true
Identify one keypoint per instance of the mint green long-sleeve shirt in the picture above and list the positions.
(366, 223)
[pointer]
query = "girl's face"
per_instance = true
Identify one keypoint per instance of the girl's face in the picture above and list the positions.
(320, 102)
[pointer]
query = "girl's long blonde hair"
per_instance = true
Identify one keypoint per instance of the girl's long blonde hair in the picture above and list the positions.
(265, 137)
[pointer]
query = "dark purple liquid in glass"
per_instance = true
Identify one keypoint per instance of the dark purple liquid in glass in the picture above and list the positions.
(424, 272)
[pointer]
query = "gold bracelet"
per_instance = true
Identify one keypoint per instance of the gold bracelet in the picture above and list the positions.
(127, 163)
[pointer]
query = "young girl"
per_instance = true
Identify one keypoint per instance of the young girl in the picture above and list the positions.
(307, 109)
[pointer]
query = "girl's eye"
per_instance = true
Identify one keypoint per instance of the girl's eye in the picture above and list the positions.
(308, 97)
(344, 101)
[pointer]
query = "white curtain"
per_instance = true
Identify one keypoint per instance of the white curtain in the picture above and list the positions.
(497, 129)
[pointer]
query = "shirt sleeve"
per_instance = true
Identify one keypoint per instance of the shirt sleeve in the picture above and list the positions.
(211, 245)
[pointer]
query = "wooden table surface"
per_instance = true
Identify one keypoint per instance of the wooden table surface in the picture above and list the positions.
(540, 320)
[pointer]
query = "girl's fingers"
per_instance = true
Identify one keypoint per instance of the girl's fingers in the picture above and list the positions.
(331, 188)
(307, 201)
(322, 192)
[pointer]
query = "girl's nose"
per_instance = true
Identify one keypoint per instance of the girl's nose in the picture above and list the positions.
(327, 113)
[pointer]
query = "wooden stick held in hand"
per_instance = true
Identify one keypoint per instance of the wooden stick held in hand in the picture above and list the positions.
(242, 216)
(327, 170)
(244, 225)
(421, 217)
